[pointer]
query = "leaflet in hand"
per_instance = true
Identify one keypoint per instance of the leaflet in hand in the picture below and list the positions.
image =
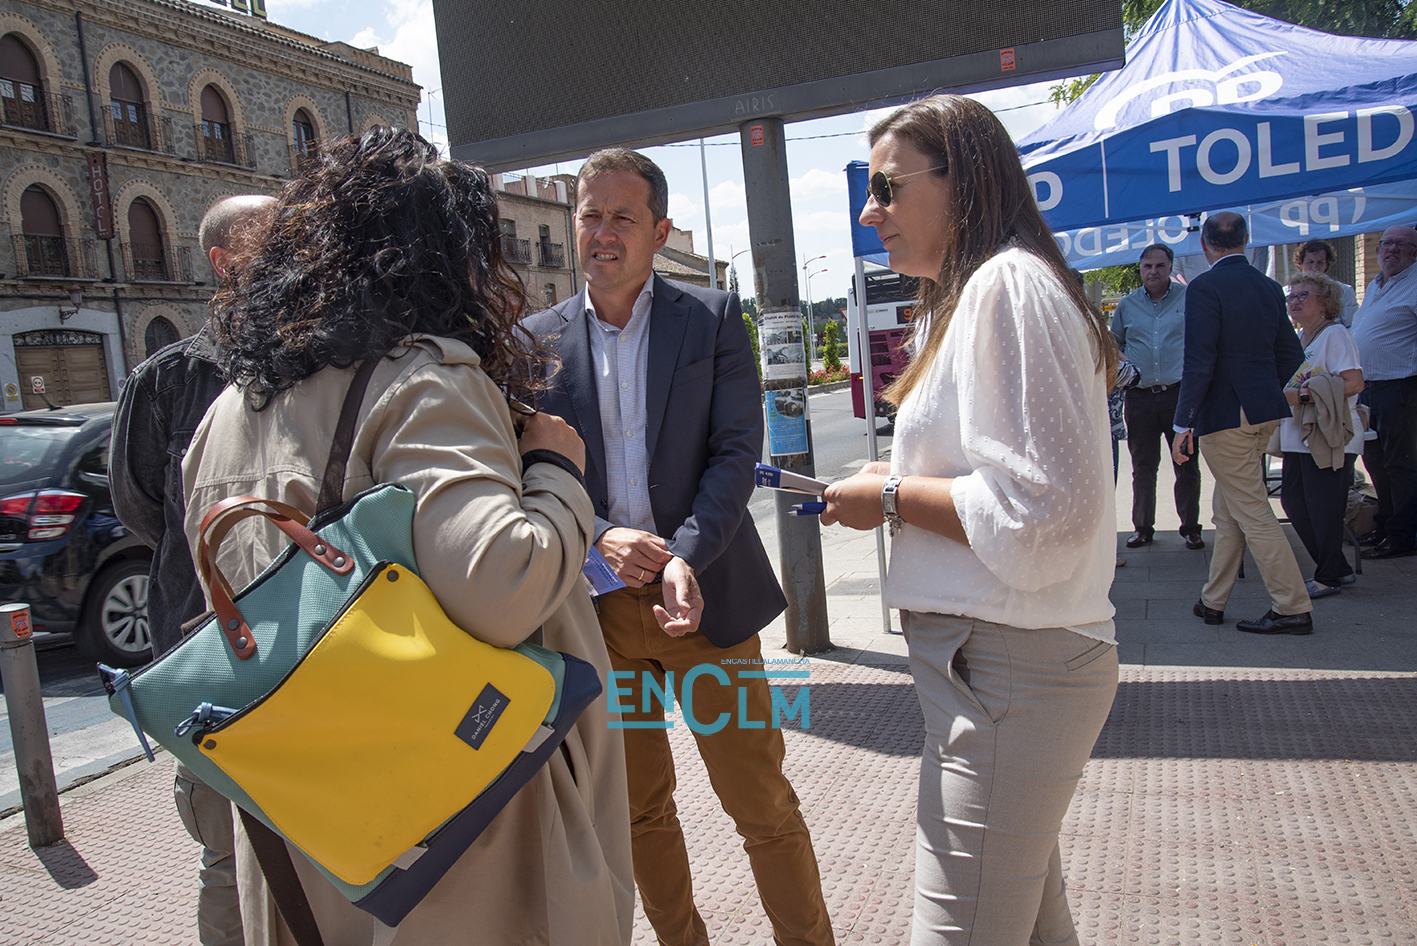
(773, 478)
(598, 572)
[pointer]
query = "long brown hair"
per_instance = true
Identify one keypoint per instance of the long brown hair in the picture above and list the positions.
(993, 205)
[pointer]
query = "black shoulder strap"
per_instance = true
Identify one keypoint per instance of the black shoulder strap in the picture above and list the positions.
(332, 488)
(283, 881)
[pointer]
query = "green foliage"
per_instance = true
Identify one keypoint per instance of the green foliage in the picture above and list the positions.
(751, 324)
(733, 279)
(1384, 19)
(1117, 280)
(750, 306)
(831, 347)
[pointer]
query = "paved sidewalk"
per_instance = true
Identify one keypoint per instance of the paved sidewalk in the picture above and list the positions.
(1246, 790)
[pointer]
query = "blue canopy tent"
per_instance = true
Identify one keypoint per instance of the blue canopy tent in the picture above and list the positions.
(1219, 107)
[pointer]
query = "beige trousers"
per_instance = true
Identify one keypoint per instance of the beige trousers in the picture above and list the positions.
(1243, 516)
(1011, 715)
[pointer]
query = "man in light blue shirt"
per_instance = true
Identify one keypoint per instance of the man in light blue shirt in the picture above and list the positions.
(1385, 329)
(1150, 328)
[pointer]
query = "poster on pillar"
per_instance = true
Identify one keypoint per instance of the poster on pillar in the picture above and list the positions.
(787, 421)
(783, 354)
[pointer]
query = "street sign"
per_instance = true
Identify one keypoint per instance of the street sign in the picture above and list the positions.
(37, 384)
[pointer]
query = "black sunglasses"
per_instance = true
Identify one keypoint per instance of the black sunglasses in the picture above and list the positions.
(881, 186)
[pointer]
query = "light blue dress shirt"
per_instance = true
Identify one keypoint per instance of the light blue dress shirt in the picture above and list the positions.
(1385, 327)
(619, 362)
(1153, 334)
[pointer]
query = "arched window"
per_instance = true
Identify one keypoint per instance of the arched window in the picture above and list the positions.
(160, 333)
(130, 119)
(145, 248)
(21, 97)
(216, 142)
(302, 135)
(45, 251)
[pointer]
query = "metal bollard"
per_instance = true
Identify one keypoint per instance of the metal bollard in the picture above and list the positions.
(28, 730)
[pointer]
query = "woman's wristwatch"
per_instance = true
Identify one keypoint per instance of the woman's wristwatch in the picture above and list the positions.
(888, 491)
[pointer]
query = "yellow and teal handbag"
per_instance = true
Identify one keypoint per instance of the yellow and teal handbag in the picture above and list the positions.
(334, 702)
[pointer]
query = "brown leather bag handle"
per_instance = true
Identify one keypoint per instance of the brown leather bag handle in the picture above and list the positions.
(218, 522)
(294, 523)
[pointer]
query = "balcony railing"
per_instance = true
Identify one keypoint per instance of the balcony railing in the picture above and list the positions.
(227, 148)
(516, 251)
(149, 135)
(303, 153)
(24, 106)
(552, 254)
(53, 256)
(156, 262)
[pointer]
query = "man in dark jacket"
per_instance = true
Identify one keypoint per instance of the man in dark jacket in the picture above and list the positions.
(158, 412)
(658, 379)
(1241, 352)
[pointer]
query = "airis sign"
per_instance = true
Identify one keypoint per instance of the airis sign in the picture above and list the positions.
(1202, 139)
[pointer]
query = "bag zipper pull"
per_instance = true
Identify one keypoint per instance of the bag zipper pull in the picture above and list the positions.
(202, 719)
(118, 681)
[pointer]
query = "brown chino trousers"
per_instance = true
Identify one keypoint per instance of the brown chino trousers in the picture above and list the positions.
(1243, 517)
(744, 767)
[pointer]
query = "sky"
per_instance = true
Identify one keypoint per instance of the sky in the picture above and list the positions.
(817, 150)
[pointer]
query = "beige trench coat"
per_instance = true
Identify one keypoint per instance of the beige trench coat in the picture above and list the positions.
(502, 549)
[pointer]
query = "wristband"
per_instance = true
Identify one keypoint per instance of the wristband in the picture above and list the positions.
(888, 506)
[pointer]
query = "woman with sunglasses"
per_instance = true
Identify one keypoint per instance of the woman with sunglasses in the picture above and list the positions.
(1323, 393)
(999, 498)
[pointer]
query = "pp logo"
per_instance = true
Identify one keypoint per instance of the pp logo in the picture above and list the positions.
(1229, 89)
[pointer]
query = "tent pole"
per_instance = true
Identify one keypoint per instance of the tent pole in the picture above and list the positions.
(868, 397)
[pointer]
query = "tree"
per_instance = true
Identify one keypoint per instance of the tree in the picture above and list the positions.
(831, 353)
(750, 306)
(750, 323)
(733, 279)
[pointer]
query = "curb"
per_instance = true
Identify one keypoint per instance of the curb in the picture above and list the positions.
(829, 387)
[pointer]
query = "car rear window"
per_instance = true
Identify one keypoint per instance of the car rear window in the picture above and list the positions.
(27, 453)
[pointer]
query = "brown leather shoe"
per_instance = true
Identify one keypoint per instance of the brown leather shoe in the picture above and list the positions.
(1194, 541)
(1136, 540)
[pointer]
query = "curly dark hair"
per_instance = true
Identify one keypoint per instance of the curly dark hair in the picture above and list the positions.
(375, 241)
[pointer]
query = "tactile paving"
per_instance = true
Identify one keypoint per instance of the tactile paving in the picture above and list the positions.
(1236, 807)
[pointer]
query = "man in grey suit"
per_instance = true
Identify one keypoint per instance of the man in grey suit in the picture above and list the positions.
(658, 378)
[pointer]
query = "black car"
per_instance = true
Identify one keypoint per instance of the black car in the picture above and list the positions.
(62, 548)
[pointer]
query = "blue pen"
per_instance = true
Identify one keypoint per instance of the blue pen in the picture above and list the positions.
(809, 509)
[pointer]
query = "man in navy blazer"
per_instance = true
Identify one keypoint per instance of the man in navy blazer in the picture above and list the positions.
(659, 380)
(1241, 352)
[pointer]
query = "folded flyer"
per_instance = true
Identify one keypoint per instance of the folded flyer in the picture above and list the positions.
(773, 478)
(598, 572)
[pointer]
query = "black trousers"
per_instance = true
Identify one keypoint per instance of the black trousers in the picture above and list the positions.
(1315, 500)
(1391, 460)
(1151, 417)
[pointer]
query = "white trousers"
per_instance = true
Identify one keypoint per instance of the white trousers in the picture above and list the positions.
(1011, 716)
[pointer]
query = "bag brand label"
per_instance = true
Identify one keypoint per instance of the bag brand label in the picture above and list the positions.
(489, 706)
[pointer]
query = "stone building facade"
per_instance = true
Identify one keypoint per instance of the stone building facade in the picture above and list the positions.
(538, 238)
(185, 103)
